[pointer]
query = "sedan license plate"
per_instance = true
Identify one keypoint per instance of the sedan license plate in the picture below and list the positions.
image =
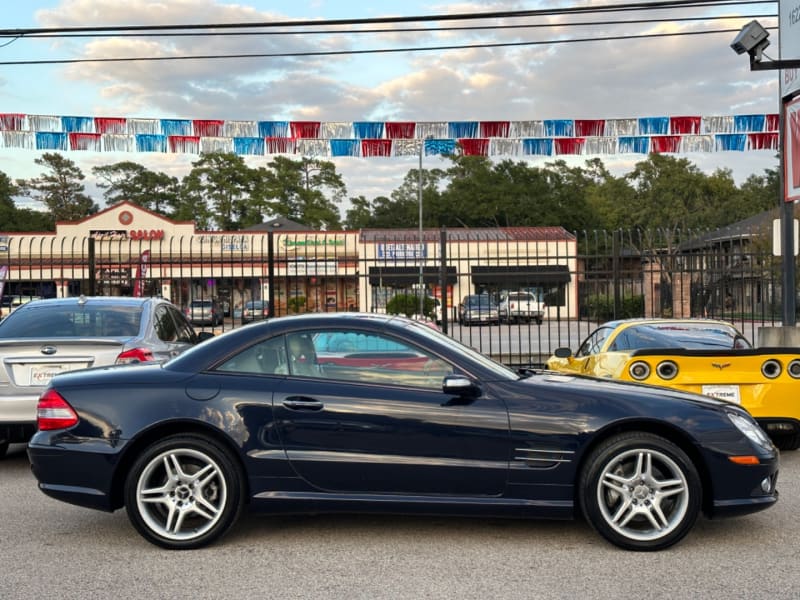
(42, 374)
(723, 392)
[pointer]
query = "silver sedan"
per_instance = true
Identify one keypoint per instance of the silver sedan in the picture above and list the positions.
(45, 337)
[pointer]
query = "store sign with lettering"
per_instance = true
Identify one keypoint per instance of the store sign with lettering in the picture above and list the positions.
(402, 251)
(303, 268)
(146, 234)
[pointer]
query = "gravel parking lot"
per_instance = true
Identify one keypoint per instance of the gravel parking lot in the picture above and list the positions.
(52, 550)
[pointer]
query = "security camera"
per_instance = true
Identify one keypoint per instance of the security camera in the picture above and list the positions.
(751, 39)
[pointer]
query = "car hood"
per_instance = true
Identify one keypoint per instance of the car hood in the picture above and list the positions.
(596, 386)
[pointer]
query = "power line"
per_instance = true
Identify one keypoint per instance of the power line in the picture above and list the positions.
(627, 7)
(403, 29)
(370, 51)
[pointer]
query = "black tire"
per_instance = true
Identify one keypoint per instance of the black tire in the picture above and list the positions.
(3, 449)
(640, 491)
(192, 503)
(786, 442)
(539, 320)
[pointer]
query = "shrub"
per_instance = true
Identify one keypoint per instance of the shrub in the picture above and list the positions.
(408, 304)
(296, 304)
(600, 307)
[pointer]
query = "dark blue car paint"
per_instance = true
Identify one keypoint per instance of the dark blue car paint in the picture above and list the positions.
(514, 450)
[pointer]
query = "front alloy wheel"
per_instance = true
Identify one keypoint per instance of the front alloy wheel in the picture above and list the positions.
(640, 491)
(183, 492)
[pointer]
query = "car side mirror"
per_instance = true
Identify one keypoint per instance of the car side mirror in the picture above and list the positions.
(204, 335)
(563, 353)
(459, 385)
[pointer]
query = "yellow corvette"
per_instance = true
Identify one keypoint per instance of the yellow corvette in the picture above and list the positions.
(697, 355)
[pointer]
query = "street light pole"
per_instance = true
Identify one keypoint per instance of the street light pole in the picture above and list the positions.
(753, 39)
(420, 251)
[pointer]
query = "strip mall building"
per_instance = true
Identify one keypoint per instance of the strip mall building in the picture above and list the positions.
(128, 250)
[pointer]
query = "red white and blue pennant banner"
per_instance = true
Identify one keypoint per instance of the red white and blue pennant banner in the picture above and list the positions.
(550, 137)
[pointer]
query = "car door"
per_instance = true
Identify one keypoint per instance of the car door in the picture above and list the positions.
(375, 420)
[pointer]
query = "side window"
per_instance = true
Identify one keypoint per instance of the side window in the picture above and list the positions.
(265, 358)
(364, 358)
(594, 342)
(164, 325)
(624, 341)
(184, 331)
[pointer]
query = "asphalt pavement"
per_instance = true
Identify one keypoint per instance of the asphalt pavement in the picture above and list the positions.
(49, 549)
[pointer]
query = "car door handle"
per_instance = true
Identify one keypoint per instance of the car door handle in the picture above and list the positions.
(302, 403)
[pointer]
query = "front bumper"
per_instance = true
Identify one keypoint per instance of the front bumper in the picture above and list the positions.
(745, 489)
(481, 317)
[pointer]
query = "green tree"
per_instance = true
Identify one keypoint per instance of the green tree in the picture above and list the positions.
(60, 189)
(224, 184)
(400, 212)
(131, 181)
(669, 194)
(305, 190)
(19, 219)
(359, 215)
(570, 190)
(610, 199)
(471, 197)
(761, 192)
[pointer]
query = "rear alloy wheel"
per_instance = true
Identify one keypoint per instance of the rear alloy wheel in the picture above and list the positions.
(184, 492)
(640, 491)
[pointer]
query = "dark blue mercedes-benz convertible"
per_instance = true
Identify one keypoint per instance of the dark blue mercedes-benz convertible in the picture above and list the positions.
(357, 412)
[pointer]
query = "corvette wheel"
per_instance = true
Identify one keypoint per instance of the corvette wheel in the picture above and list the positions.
(640, 492)
(183, 492)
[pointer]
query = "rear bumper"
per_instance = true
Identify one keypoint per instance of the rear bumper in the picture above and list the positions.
(779, 426)
(18, 418)
(17, 433)
(79, 474)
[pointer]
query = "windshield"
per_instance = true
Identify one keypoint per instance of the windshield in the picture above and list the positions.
(692, 336)
(500, 371)
(72, 321)
(480, 302)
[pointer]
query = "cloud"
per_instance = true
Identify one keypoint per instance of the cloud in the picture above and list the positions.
(680, 75)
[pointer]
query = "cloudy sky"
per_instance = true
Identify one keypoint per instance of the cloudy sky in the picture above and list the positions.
(622, 78)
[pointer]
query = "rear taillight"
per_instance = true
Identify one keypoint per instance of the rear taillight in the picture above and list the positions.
(771, 368)
(135, 355)
(667, 369)
(639, 370)
(53, 412)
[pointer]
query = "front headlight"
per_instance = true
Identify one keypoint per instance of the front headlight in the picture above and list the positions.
(751, 430)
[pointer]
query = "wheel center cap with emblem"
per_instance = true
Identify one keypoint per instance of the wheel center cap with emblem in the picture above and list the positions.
(48, 350)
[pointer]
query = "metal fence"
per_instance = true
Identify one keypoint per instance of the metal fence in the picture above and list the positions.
(584, 278)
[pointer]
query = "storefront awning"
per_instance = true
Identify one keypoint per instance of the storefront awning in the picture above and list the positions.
(407, 276)
(517, 274)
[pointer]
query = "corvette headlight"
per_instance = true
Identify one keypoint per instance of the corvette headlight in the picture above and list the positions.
(751, 430)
